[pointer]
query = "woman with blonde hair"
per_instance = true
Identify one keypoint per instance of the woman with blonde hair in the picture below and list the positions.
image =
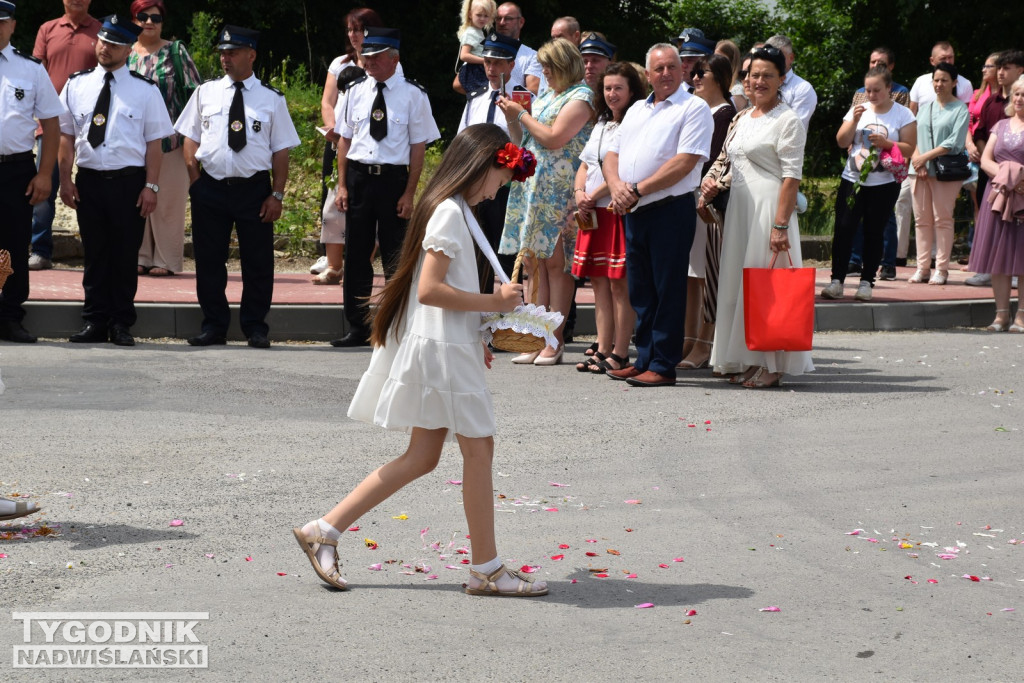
(539, 215)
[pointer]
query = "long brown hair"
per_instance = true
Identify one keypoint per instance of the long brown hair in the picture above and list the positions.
(464, 164)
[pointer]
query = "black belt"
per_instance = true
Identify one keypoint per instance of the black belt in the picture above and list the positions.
(258, 177)
(20, 156)
(111, 174)
(660, 202)
(377, 169)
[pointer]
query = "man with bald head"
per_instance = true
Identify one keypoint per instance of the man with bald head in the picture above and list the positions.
(527, 71)
(568, 28)
(922, 91)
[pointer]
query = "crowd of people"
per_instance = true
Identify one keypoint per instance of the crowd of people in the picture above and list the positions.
(623, 151)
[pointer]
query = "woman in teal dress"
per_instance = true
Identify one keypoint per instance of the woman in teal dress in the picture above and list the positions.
(539, 214)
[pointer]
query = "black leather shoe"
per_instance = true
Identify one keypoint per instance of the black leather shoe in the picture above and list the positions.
(258, 340)
(91, 333)
(208, 338)
(352, 339)
(120, 336)
(12, 331)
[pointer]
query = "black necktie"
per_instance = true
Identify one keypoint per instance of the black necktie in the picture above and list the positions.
(379, 115)
(236, 119)
(98, 128)
(492, 106)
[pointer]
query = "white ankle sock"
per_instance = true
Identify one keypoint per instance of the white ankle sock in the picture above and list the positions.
(325, 553)
(487, 568)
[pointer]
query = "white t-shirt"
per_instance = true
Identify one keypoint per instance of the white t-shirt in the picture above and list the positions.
(870, 122)
(593, 154)
(924, 92)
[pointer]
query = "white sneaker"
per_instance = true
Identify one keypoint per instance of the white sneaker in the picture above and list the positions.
(833, 290)
(37, 262)
(319, 267)
(979, 280)
(863, 291)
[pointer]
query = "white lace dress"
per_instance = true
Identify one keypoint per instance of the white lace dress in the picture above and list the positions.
(763, 151)
(433, 377)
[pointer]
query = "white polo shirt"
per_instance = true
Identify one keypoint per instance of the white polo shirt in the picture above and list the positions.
(26, 94)
(410, 120)
(137, 115)
(923, 91)
(652, 133)
(268, 127)
(800, 96)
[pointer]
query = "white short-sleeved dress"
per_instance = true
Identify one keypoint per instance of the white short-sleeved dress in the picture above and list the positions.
(433, 377)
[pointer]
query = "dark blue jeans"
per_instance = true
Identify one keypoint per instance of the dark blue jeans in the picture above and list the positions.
(43, 213)
(658, 242)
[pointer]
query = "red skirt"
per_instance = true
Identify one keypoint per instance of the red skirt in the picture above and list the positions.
(601, 252)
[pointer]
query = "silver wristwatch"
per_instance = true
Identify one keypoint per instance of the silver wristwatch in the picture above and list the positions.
(153, 186)
(279, 196)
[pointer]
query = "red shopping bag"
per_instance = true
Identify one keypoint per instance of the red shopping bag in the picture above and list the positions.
(778, 307)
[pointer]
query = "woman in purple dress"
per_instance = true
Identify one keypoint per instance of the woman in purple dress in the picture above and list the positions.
(999, 233)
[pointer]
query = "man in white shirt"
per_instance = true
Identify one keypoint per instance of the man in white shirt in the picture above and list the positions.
(923, 92)
(652, 169)
(796, 92)
(527, 71)
(385, 128)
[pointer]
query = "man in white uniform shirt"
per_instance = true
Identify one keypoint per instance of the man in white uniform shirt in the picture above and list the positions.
(796, 92)
(652, 169)
(237, 136)
(114, 123)
(384, 130)
(26, 94)
(923, 92)
(481, 107)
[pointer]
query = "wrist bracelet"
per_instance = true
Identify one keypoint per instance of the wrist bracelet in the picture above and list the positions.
(519, 119)
(780, 227)
(579, 189)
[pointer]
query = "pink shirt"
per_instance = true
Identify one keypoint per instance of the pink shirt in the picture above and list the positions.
(974, 109)
(65, 48)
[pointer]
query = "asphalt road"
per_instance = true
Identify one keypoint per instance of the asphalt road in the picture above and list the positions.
(716, 499)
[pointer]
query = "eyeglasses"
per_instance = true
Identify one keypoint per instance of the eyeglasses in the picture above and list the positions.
(742, 73)
(988, 66)
(143, 17)
(697, 73)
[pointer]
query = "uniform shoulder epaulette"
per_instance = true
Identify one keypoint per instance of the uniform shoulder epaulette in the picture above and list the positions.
(27, 56)
(140, 76)
(272, 88)
(356, 81)
(82, 72)
(412, 82)
(476, 93)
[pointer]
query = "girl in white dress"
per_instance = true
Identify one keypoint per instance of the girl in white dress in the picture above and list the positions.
(426, 375)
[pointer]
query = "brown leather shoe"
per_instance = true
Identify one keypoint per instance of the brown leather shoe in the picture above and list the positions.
(651, 379)
(624, 373)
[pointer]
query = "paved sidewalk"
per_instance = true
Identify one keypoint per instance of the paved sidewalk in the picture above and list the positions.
(303, 311)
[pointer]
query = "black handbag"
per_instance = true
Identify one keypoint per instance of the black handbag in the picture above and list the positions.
(949, 167)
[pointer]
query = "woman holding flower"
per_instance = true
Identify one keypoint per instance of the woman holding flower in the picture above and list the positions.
(874, 132)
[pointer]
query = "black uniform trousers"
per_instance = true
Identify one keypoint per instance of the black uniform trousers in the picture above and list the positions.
(217, 206)
(15, 234)
(111, 230)
(372, 201)
(491, 215)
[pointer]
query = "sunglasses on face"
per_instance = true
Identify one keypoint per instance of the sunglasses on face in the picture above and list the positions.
(697, 73)
(143, 17)
(743, 73)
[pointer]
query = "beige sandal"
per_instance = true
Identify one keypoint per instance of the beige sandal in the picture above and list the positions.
(21, 509)
(310, 545)
(490, 585)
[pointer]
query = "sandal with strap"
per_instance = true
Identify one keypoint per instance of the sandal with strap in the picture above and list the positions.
(758, 382)
(604, 366)
(329, 276)
(524, 589)
(584, 366)
(310, 545)
(591, 350)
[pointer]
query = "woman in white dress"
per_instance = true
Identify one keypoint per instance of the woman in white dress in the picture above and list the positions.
(426, 375)
(767, 155)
